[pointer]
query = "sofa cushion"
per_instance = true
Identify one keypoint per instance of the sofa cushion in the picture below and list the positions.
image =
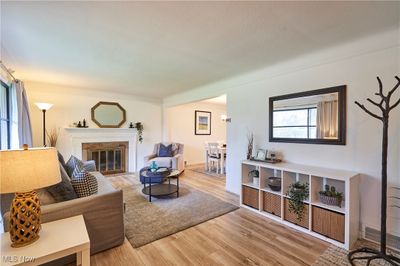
(72, 163)
(103, 184)
(62, 191)
(162, 161)
(84, 183)
(165, 151)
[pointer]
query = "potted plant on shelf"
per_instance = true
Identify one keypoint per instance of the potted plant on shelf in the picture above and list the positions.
(330, 196)
(298, 192)
(255, 176)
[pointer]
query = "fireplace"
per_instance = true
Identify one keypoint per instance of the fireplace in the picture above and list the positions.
(110, 157)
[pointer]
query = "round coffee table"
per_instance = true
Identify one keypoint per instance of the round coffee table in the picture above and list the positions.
(161, 189)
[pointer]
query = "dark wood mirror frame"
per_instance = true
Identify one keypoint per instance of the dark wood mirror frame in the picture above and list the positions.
(120, 123)
(342, 114)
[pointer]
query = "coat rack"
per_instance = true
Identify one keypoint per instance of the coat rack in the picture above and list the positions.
(370, 254)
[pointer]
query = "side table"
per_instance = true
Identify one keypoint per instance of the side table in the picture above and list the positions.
(57, 239)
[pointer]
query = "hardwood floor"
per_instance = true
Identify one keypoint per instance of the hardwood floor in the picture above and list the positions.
(237, 238)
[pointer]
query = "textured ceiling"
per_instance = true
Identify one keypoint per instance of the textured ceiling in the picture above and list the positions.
(156, 49)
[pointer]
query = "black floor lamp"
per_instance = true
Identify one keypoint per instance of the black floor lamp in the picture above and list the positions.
(44, 107)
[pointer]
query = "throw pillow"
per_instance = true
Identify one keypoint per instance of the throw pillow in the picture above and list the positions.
(62, 191)
(165, 151)
(61, 160)
(83, 182)
(72, 163)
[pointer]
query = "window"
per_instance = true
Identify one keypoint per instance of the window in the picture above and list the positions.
(5, 129)
(295, 123)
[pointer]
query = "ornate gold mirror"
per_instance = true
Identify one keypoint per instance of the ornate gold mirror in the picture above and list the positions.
(108, 115)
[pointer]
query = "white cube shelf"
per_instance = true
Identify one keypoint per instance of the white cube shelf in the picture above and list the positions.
(338, 225)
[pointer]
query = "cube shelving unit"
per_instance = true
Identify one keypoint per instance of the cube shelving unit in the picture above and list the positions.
(338, 225)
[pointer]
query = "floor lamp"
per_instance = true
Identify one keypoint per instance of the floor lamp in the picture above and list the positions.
(44, 107)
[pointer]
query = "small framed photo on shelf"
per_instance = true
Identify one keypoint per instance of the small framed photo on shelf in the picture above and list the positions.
(260, 155)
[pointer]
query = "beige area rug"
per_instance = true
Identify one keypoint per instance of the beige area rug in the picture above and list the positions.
(147, 221)
(201, 170)
(336, 256)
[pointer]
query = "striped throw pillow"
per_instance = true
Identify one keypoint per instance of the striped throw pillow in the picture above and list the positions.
(72, 163)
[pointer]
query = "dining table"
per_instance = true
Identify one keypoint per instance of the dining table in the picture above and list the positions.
(222, 154)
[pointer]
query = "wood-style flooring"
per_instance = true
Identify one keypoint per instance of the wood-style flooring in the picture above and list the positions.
(237, 238)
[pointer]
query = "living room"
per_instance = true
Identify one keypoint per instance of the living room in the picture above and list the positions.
(149, 66)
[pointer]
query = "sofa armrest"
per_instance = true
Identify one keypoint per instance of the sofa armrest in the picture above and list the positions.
(90, 166)
(178, 163)
(103, 216)
(148, 158)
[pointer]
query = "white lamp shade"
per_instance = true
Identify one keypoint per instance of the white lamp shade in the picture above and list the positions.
(26, 170)
(44, 106)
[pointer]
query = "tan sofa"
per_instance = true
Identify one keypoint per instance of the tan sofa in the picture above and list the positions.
(103, 214)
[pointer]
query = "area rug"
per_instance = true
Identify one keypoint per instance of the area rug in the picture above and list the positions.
(201, 170)
(336, 256)
(147, 221)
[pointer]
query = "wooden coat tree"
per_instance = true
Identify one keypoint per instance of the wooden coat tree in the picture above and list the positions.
(385, 107)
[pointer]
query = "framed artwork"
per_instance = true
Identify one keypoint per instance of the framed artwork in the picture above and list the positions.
(202, 123)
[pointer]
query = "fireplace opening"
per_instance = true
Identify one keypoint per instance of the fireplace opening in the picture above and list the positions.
(110, 157)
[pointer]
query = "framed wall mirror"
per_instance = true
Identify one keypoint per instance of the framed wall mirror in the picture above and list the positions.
(315, 117)
(108, 115)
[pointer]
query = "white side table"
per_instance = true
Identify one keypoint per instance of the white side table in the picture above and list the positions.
(57, 239)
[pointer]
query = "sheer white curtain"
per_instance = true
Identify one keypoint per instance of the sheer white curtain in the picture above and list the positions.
(21, 129)
(327, 119)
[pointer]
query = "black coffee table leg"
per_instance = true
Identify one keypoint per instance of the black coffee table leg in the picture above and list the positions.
(149, 192)
(177, 187)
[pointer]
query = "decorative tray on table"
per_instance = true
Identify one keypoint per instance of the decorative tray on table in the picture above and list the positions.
(269, 160)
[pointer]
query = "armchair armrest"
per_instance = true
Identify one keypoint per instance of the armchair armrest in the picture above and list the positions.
(149, 157)
(178, 163)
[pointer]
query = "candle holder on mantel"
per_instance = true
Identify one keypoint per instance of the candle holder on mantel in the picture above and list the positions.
(80, 124)
(366, 253)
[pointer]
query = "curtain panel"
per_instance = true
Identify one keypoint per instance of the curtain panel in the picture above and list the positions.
(327, 119)
(21, 128)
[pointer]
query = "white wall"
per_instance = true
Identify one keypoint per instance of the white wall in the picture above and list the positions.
(179, 127)
(354, 64)
(73, 104)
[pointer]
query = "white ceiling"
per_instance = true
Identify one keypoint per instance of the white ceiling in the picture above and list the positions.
(157, 49)
(221, 100)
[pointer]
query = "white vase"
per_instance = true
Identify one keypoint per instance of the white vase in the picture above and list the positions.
(256, 180)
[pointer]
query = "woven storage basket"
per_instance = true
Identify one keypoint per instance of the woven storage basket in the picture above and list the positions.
(335, 201)
(292, 217)
(272, 204)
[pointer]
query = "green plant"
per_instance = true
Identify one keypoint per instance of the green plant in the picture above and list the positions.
(330, 191)
(298, 192)
(139, 128)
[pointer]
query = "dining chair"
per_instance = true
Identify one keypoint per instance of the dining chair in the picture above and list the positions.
(214, 156)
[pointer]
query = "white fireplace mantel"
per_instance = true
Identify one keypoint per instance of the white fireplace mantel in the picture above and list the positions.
(76, 136)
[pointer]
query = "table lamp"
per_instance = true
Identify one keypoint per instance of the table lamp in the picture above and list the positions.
(21, 172)
(44, 107)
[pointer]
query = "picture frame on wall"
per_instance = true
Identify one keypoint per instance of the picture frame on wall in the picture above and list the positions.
(202, 122)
